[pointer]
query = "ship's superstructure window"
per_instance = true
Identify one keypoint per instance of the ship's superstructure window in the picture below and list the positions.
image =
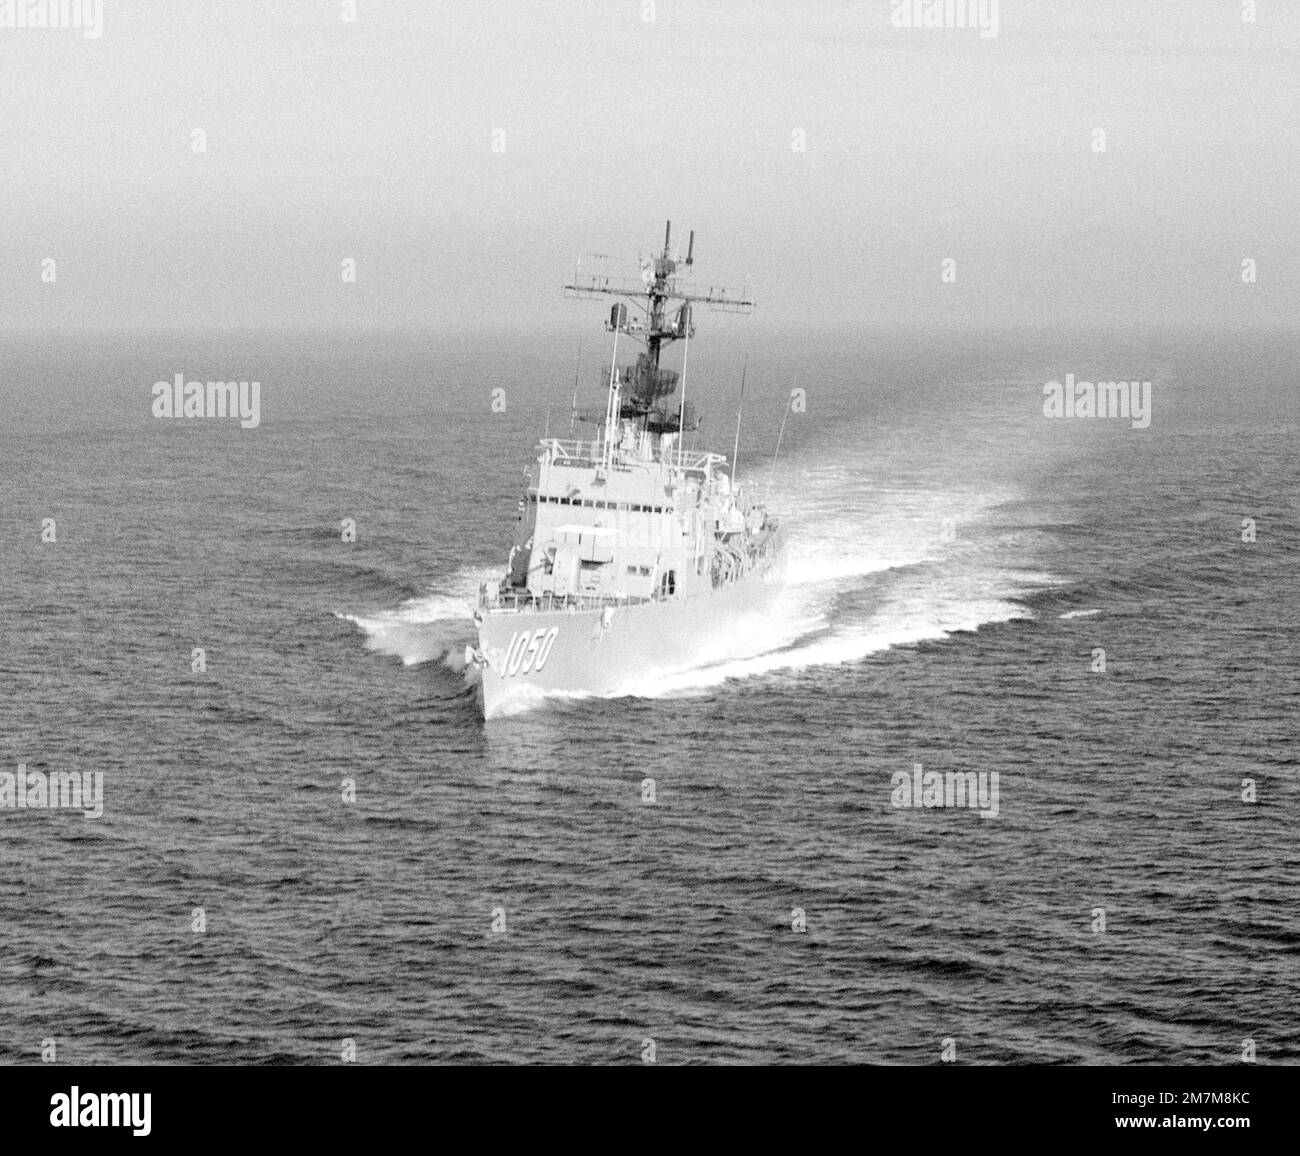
(600, 504)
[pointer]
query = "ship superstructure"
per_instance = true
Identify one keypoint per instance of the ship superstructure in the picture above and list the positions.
(633, 555)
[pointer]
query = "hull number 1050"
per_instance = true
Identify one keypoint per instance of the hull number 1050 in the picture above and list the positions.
(529, 650)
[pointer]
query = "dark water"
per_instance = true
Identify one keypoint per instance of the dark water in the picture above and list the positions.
(957, 558)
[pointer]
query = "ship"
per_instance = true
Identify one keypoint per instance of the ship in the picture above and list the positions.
(634, 556)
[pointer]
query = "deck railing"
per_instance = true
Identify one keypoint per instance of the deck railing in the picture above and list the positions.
(522, 602)
(570, 452)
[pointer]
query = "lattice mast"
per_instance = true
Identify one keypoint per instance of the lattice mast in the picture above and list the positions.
(641, 391)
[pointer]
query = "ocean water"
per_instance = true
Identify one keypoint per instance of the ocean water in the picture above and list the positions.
(958, 560)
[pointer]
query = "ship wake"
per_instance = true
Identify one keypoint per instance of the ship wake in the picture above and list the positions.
(873, 567)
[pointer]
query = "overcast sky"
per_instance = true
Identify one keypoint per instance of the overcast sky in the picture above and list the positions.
(374, 140)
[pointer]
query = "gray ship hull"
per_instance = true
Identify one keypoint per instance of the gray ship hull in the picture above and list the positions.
(527, 655)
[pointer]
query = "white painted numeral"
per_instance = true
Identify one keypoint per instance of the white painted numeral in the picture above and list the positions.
(516, 652)
(535, 644)
(531, 651)
(545, 652)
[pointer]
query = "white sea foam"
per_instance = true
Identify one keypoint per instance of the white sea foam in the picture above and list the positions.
(872, 568)
(434, 627)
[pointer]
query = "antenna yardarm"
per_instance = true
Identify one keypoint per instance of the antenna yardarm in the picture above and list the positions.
(646, 385)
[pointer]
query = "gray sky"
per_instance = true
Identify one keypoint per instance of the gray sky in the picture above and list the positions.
(374, 140)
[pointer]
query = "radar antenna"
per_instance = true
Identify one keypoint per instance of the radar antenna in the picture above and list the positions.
(646, 386)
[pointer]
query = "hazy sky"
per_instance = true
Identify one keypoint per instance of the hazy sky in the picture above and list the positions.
(374, 140)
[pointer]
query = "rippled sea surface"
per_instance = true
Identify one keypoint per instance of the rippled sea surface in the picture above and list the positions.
(958, 563)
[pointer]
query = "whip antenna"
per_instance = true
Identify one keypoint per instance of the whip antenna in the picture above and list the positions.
(573, 409)
(735, 453)
(782, 429)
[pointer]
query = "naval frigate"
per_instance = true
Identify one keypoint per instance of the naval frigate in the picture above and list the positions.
(634, 557)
